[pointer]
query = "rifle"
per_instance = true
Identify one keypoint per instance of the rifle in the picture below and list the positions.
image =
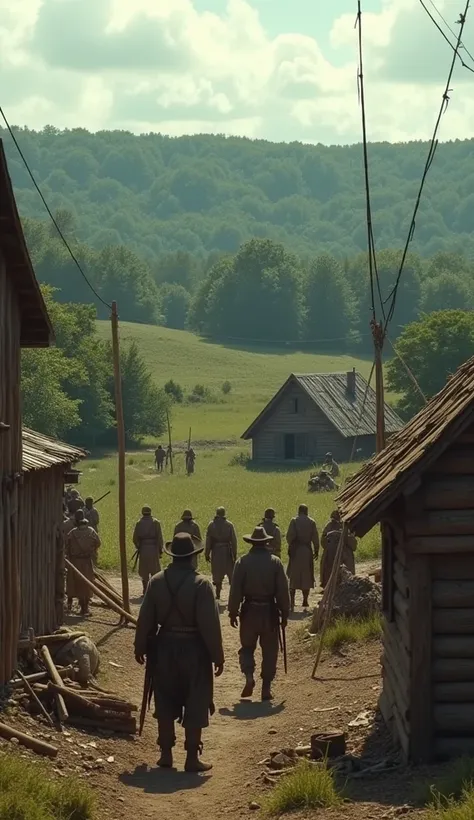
(282, 642)
(147, 685)
(102, 496)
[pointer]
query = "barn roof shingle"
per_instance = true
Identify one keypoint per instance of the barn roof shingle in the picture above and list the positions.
(41, 452)
(410, 452)
(36, 329)
(345, 411)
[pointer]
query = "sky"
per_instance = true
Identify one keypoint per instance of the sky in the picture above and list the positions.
(280, 70)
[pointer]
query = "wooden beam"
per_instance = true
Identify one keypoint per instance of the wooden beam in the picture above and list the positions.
(453, 646)
(449, 747)
(453, 567)
(454, 493)
(440, 544)
(453, 622)
(421, 701)
(453, 594)
(455, 718)
(453, 670)
(442, 522)
(462, 692)
(455, 462)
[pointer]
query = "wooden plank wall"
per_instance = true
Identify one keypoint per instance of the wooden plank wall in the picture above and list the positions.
(268, 442)
(10, 469)
(42, 554)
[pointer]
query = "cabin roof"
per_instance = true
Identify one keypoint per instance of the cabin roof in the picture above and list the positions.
(346, 412)
(410, 452)
(36, 329)
(41, 452)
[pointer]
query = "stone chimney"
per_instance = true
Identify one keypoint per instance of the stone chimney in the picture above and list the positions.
(351, 382)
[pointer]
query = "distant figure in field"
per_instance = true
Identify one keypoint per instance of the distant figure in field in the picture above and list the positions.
(272, 529)
(75, 502)
(331, 466)
(169, 454)
(91, 513)
(330, 542)
(190, 459)
(160, 456)
(190, 526)
(303, 548)
(82, 545)
(148, 540)
(221, 549)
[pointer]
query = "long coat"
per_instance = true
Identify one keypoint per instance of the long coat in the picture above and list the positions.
(189, 641)
(221, 548)
(271, 528)
(192, 528)
(303, 539)
(148, 540)
(81, 549)
(330, 543)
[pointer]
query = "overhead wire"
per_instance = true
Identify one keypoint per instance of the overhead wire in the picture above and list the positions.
(392, 297)
(50, 213)
(452, 46)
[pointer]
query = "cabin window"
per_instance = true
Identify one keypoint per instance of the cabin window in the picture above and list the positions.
(294, 405)
(301, 448)
(296, 446)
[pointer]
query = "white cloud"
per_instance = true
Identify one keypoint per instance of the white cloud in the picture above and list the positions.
(163, 65)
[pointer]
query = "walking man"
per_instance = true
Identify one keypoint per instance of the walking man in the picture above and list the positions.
(303, 548)
(75, 502)
(330, 543)
(190, 459)
(259, 595)
(82, 545)
(272, 528)
(189, 525)
(221, 549)
(179, 635)
(148, 541)
(91, 513)
(160, 456)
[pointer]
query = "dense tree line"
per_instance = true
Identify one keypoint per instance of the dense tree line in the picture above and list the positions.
(204, 194)
(68, 390)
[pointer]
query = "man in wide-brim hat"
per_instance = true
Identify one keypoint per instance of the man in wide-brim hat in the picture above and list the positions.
(271, 528)
(259, 595)
(189, 525)
(179, 610)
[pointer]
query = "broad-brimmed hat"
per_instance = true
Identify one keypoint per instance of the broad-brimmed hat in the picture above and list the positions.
(187, 514)
(183, 545)
(259, 536)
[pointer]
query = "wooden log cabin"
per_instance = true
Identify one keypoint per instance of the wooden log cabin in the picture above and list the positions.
(421, 490)
(317, 413)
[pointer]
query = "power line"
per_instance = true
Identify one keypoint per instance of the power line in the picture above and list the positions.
(48, 209)
(443, 34)
(431, 153)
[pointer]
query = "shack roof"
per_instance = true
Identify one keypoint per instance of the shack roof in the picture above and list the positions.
(410, 452)
(344, 410)
(41, 452)
(36, 329)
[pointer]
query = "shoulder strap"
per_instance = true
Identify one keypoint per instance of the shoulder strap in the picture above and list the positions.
(173, 595)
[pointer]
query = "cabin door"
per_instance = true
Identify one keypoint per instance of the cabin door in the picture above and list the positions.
(289, 446)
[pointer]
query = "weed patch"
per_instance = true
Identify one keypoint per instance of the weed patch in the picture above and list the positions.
(306, 787)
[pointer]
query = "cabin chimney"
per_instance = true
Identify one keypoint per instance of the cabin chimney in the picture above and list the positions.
(351, 383)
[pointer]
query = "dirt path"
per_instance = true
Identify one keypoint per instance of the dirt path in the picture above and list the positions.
(241, 733)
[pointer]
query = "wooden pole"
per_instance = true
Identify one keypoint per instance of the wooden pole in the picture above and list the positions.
(121, 459)
(169, 439)
(38, 746)
(127, 616)
(34, 696)
(377, 331)
(55, 676)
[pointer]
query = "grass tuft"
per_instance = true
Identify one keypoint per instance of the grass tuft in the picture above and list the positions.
(28, 793)
(451, 809)
(307, 787)
(346, 630)
(451, 784)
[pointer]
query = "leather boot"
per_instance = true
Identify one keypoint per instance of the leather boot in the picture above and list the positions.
(247, 691)
(193, 747)
(292, 599)
(166, 759)
(305, 598)
(218, 591)
(267, 690)
(166, 741)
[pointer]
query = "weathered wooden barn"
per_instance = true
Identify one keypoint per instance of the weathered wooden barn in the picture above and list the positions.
(317, 413)
(421, 489)
(45, 461)
(24, 322)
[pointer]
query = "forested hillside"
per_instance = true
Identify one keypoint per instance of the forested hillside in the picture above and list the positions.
(205, 193)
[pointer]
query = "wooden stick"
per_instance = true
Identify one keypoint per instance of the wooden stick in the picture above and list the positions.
(75, 700)
(38, 746)
(39, 676)
(55, 676)
(169, 439)
(108, 591)
(60, 637)
(121, 459)
(105, 598)
(35, 697)
(127, 726)
(332, 584)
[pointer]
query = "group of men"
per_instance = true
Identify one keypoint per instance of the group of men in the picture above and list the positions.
(163, 458)
(178, 633)
(82, 542)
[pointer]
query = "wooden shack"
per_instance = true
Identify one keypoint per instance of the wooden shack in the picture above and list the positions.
(421, 489)
(315, 413)
(24, 322)
(46, 461)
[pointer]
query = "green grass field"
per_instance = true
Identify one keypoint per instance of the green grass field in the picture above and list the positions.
(255, 375)
(244, 492)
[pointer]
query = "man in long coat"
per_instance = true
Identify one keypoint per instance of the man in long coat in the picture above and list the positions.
(271, 528)
(179, 635)
(190, 460)
(330, 542)
(160, 456)
(75, 502)
(259, 595)
(221, 549)
(82, 544)
(91, 513)
(303, 548)
(148, 541)
(189, 525)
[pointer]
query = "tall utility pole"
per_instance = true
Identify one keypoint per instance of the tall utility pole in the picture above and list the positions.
(121, 458)
(378, 337)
